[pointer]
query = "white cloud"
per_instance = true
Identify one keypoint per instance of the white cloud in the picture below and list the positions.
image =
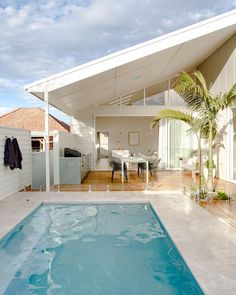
(40, 37)
(7, 84)
(5, 110)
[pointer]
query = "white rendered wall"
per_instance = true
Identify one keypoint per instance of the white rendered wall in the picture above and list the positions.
(119, 127)
(13, 181)
(219, 69)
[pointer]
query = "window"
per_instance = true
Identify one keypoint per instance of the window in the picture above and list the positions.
(157, 95)
(175, 98)
(36, 145)
(131, 99)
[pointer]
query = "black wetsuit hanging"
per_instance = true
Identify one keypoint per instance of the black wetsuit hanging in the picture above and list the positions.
(17, 154)
(9, 154)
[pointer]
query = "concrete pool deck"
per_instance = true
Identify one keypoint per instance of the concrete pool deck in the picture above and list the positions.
(205, 242)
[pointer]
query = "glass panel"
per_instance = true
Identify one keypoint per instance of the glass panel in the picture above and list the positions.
(157, 95)
(175, 98)
(133, 99)
(182, 142)
(234, 142)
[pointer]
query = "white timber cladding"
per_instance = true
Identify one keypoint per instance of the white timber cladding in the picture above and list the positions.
(13, 181)
(84, 127)
(219, 69)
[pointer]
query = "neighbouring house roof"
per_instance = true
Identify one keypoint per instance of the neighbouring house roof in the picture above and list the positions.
(32, 119)
(137, 67)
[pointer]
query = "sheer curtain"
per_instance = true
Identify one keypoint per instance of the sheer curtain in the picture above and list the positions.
(182, 142)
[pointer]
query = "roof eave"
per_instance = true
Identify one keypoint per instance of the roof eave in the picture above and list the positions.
(119, 58)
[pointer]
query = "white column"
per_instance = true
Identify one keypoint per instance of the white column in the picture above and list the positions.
(56, 157)
(46, 137)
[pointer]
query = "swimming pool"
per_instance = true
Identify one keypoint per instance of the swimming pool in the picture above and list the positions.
(93, 249)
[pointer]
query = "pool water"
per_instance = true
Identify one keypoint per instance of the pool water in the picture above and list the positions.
(105, 249)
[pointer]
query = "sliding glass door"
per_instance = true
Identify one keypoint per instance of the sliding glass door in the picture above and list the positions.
(182, 143)
(233, 145)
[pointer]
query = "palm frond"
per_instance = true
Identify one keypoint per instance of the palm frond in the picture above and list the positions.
(190, 90)
(205, 129)
(172, 114)
(201, 80)
(229, 98)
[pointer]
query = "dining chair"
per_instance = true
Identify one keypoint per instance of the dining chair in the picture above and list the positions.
(115, 164)
(152, 167)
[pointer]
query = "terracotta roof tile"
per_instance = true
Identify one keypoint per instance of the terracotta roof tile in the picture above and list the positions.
(32, 119)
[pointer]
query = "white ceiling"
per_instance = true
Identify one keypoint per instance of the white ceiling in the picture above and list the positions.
(136, 67)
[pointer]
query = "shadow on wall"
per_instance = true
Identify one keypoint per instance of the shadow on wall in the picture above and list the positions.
(217, 61)
(85, 130)
(219, 144)
(103, 153)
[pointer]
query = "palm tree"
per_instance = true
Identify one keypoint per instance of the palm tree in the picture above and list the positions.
(206, 106)
(195, 126)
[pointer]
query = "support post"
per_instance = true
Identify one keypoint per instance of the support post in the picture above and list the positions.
(46, 137)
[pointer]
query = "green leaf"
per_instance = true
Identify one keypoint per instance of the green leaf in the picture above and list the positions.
(172, 114)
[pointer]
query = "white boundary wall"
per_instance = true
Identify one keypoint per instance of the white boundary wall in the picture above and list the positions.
(13, 181)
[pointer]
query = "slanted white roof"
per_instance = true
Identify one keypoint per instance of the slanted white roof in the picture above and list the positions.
(136, 67)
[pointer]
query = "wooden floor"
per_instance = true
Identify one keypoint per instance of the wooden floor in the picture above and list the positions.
(224, 210)
(166, 181)
(99, 180)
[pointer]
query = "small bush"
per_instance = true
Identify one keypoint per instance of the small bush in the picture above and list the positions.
(221, 195)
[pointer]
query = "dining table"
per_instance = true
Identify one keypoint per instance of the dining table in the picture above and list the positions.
(133, 159)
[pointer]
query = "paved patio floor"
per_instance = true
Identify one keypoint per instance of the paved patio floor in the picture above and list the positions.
(205, 242)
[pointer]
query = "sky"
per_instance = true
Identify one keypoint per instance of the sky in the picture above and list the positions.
(39, 38)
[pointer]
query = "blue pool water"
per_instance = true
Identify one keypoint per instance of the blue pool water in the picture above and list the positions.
(93, 250)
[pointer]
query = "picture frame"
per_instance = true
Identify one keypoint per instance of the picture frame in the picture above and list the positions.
(134, 138)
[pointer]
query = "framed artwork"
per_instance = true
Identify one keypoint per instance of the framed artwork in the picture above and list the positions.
(133, 138)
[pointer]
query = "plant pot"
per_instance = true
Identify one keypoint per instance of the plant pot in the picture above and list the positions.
(210, 196)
